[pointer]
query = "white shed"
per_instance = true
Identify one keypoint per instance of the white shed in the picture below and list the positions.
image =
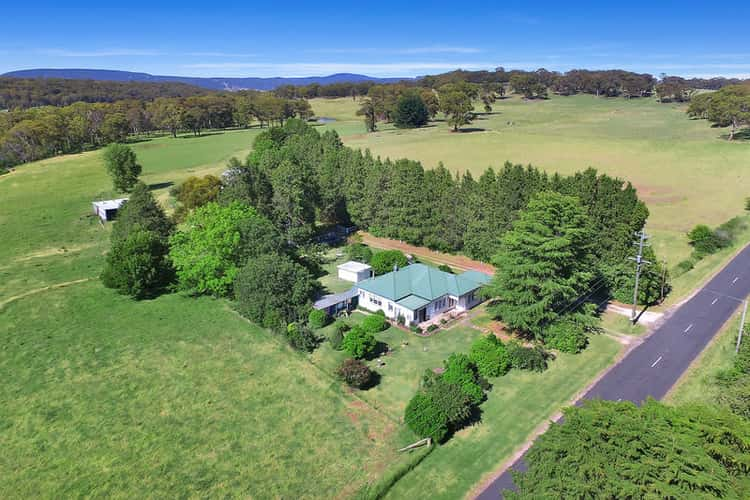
(354, 271)
(107, 209)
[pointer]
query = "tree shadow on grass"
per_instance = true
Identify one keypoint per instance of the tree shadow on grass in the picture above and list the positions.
(381, 348)
(469, 130)
(160, 185)
(205, 134)
(740, 135)
(374, 381)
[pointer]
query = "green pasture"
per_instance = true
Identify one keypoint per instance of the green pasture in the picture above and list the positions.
(683, 169)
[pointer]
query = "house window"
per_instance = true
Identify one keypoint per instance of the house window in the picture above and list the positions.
(390, 306)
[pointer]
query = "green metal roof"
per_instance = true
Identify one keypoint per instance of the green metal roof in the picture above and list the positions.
(412, 302)
(425, 282)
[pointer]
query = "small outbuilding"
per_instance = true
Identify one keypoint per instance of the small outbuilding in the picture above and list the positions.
(106, 210)
(334, 303)
(354, 271)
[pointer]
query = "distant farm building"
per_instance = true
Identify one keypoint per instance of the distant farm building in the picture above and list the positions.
(354, 271)
(107, 209)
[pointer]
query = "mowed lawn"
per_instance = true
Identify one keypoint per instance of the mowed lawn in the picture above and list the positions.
(685, 172)
(517, 404)
(173, 397)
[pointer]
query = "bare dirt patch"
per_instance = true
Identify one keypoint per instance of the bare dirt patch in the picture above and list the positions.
(459, 262)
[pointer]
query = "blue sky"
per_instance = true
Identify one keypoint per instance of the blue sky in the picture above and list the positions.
(379, 38)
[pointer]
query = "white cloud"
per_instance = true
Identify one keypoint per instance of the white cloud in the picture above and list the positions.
(434, 49)
(322, 68)
(101, 52)
(218, 54)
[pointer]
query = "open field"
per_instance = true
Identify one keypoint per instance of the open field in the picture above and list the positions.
(682, 168)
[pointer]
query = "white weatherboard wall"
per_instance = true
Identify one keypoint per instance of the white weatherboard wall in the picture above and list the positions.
(354, 271)
(375, 303)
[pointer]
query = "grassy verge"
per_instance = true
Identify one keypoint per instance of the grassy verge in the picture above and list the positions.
(617, 323)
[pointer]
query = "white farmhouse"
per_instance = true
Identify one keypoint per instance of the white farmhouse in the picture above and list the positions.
(354, 271)
(419, 292)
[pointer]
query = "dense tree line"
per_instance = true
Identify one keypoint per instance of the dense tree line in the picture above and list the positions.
(40, 132)
(32, 92)
(727, 107)
(298, 177)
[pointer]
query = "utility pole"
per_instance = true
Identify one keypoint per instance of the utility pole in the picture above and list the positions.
(742, 327)
(639, 263)
(663, 279)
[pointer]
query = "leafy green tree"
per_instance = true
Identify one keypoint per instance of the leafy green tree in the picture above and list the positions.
(141, 212)
(195, 192)
(294, 199)
(411, 111)
(247, 184)
(137, 265)
(544, 264)
(358, 252)
(430, 99)
(728, 107)
(355, 373)
(461, 371)
(490, 356)
(273, 291)
(458, 108)
(317, 319)
(301, 337)
(359, 343)
(207, 251)
(122, 166)
(115, 127)
(527, 358)
(368, 111)
(384, 262)
(605, 449)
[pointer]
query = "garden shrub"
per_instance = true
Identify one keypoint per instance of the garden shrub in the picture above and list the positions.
(460, 370)
(704, 240)
(374, 323)
(355, 373)
(566, 336)
(425, 418)
(527, 358)
(683, 266)
(490, 356)
(358, 252)
(317, 319)
(438, 409)
(432, 328)
(301, 338)
(359, 343)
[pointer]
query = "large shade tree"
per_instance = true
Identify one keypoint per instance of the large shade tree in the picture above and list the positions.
(544, 264)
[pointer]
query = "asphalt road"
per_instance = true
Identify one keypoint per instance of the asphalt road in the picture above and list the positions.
(654, 366)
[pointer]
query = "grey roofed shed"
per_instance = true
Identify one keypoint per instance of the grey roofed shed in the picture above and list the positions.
(336, 302)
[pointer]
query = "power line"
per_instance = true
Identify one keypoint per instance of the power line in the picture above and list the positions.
(639, 263)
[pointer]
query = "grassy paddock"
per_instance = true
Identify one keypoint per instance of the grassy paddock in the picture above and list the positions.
(103, 396)
(682, 168)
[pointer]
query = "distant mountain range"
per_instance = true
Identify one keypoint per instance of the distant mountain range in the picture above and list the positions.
(207, 83)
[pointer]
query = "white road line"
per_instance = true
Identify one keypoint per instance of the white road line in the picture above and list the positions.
(656, 362)
(735, 280)
(688, 328)
(715, 301)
